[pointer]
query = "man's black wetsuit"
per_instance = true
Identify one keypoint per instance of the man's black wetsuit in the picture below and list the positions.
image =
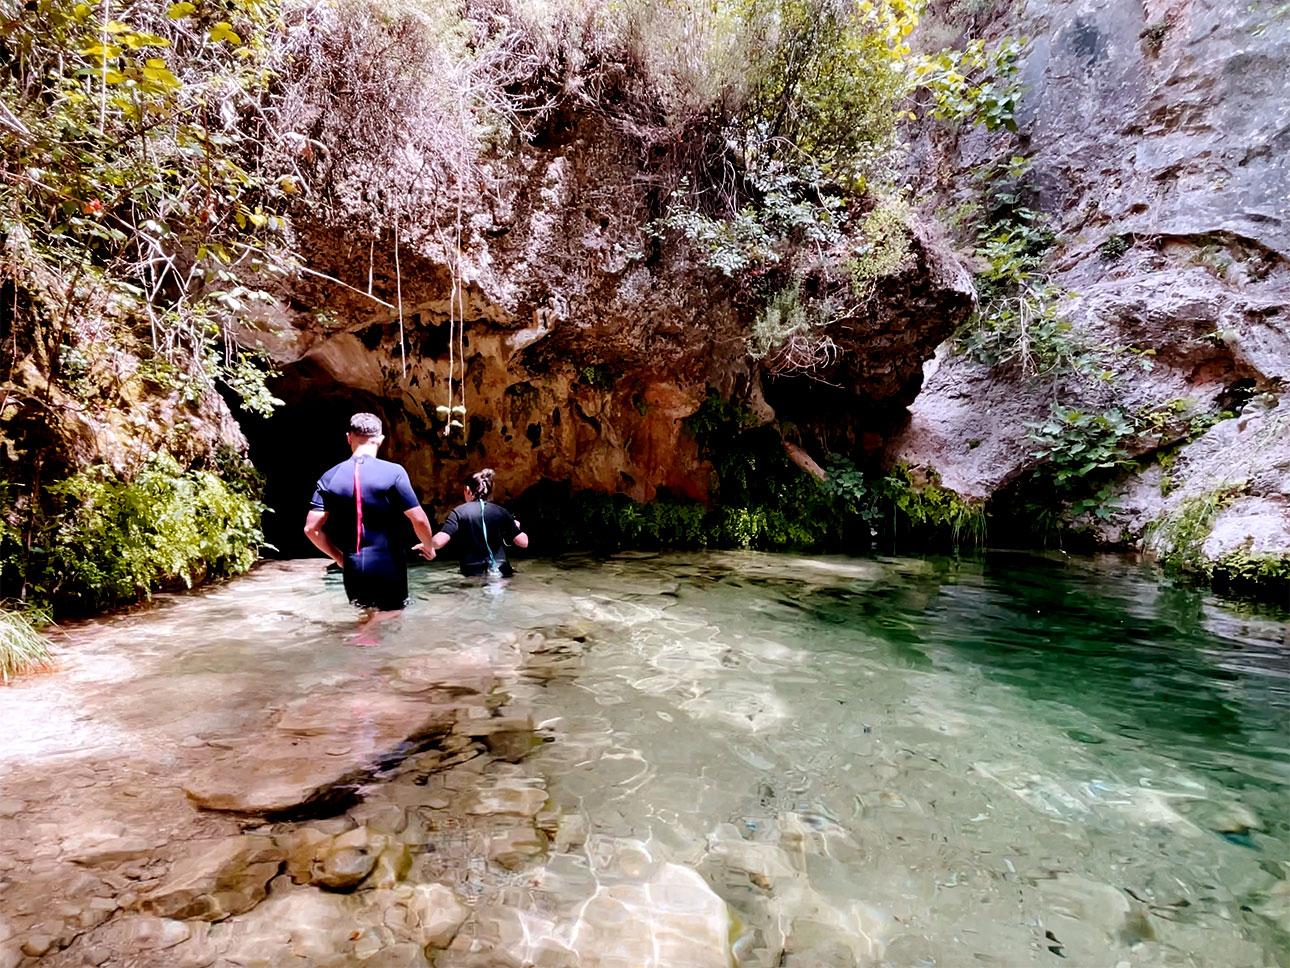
(466, 525)
(376, 570)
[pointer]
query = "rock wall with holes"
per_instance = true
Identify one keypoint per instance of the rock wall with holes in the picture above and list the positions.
(1157, 135)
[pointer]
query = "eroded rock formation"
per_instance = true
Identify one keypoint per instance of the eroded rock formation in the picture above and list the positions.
(1156, 135)
(587, 338)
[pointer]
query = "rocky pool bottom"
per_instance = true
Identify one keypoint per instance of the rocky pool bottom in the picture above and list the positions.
(680, 760)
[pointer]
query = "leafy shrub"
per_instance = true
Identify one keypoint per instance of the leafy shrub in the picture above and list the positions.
(787, 206)
(138, 215)
(761, 499)
(1179, 536)
(1076, 445)
(929, 509)
(107, 542)
(975, 83)
(1017, 321)
(885, 250)
(1082, 452)
(1245, 570)
(786, 334)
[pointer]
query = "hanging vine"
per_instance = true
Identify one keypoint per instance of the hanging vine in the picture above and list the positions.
(398, 296)
(455, 413)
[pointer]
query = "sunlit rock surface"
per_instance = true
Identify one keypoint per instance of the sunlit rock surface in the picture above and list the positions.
(1151, 130)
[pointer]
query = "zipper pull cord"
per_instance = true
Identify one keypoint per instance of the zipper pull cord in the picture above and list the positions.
(492, 562)
(358, 511)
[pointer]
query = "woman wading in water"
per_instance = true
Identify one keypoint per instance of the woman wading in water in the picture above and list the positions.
(480, 529)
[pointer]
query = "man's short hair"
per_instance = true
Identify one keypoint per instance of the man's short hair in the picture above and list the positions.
(365, 425)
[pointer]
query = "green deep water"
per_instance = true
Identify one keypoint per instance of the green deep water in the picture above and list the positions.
(1011, 760)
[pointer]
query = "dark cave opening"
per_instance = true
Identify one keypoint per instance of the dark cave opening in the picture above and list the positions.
(300, 440)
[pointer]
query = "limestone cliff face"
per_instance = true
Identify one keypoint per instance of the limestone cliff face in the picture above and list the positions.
(1157, 134)
(587, 339)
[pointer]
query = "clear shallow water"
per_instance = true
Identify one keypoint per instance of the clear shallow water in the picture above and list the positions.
(908, 762)
(1007, 763)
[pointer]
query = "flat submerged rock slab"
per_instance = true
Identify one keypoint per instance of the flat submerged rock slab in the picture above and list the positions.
(321, 747)
(216, 879)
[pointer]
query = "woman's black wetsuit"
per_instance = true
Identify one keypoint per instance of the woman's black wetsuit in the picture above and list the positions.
(369, 530)
(466, 525)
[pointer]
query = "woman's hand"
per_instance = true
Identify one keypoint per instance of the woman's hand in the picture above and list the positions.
(427, 551)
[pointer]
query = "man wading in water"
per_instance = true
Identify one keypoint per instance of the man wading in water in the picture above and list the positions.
(480, 528)
(361, 500)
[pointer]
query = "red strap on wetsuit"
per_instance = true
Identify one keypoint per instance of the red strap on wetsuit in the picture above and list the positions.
(358, 511)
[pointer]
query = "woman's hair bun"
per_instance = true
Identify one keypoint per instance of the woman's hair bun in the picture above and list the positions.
(481, 482)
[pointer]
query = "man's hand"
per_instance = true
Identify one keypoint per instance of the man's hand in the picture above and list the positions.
(421, 525)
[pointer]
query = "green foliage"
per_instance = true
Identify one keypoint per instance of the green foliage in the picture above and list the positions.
(762, 499)
(596, 375)
(1180, 534)
(108, 542)
(1114, 247)
(766, 500)
(22, 646)
(806, 118)
(928, 508)
(885, 250)
(854, 494)
(826, 81)
(1017, 321)
(783, 316)
(1076, 445)
(976, 84)
(1084, 453)
(611, 522)
(790, 209)
(1081, 453)
(1245, 569)
(238, 473)
(787, 324)
(134, 208)
(1179, 539)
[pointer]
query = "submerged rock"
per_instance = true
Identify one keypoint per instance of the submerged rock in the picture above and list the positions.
(437, 913)
(216, 879)
(347, 860)
(318, 752)
(145, 933)
(515, 847)
(522, 797)
(294, 923)
(672, 919)
(303, 847)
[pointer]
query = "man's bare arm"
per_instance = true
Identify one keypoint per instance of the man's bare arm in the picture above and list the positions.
(421, 525)
(314, 532)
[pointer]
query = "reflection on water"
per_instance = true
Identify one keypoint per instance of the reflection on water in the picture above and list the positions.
(1022, 760)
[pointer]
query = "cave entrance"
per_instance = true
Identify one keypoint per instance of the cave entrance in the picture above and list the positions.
(300, 440)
